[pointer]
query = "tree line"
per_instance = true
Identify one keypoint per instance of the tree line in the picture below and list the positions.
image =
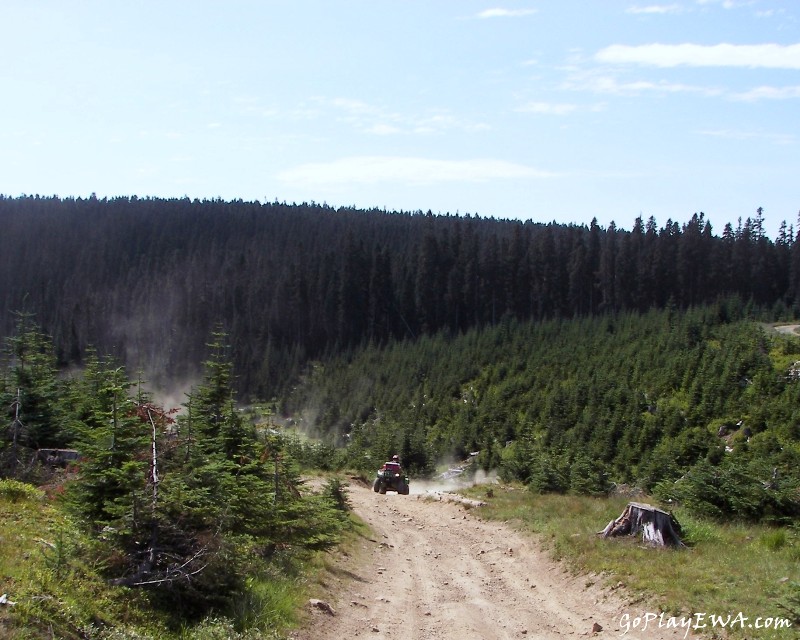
(148, 279)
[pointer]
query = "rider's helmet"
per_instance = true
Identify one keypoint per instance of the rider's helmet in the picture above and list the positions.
(395, 458)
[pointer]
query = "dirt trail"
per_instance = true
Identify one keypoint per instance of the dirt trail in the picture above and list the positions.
(434, 570)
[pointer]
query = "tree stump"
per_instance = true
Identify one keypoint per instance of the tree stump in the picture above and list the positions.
(656, 527)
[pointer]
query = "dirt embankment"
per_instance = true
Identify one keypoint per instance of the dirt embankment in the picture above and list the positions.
(434, 570)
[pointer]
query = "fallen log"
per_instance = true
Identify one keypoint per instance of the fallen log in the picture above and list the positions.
(655, 526)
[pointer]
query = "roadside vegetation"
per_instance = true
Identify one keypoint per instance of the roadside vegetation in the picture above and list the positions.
(52, 573)
(726, 568)
(188, 525)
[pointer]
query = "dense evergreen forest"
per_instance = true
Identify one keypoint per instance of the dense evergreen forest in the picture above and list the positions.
(570, 357)
(699, 406)
(148, 280)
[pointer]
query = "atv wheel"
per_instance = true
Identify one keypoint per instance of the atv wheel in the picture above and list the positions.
(376, 485)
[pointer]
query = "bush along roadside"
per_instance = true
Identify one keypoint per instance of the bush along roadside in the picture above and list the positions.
(167, 520)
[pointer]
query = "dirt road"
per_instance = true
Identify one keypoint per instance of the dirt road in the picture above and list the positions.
(433, 570)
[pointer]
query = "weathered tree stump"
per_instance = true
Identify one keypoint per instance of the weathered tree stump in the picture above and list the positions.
(656, 527)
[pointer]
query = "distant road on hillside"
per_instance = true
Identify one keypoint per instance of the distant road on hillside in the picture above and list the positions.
(792, 329)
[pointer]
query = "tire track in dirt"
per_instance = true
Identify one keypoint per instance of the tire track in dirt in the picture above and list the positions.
(435, 571)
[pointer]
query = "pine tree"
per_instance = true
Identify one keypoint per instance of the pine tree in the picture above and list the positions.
(227, 474)
(113, 446)
(33, 383)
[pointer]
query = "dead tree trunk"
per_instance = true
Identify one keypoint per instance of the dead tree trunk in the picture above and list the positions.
(18, 433)
(656, 527)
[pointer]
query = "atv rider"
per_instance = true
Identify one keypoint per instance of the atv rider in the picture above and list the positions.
(391, 465)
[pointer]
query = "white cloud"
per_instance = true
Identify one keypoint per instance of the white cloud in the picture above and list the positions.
(548, 108)
(655, 8)
(443, 120)
(373, 119)
(352, 106)
(610, 85)
(768, 93)
(375, 169)
(726, 4)
(770, 56)
(506, 13)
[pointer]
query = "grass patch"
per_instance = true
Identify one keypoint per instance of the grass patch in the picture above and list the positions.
(47, 569)
(726, 569)
(53, 573)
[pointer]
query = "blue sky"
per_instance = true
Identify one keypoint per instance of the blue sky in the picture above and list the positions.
(545, 110)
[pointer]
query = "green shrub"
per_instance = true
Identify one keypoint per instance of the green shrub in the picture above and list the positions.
(549, 474)
(336, 490)
(774, 540)
(268, 602)
(588, 477)
(751, 490)
(222, 629)
(15, 491)
(791, 603)
(117, 633)
(695, 531)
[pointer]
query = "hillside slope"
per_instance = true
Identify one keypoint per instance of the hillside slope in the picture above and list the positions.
(148, 280)
(575, 406)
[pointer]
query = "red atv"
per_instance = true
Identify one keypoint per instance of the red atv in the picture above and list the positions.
(391, 478)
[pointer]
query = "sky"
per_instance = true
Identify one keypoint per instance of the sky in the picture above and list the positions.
(545, 110)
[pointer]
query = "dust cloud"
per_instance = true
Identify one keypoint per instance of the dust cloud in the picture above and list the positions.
(452, 484)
